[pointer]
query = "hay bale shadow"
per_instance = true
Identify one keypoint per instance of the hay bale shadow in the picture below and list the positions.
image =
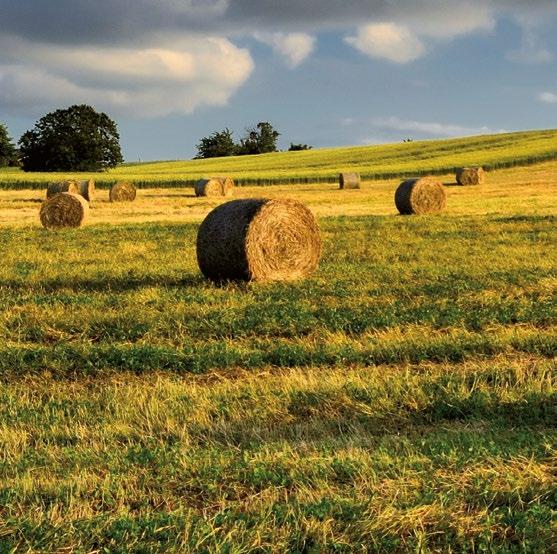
(24, 200)
(105, 284)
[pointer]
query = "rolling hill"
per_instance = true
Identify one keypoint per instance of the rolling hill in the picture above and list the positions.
(323, 165)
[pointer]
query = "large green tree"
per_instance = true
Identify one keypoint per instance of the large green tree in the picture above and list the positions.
(77, 138)
(217, 145)
(259, 139)
(8, 152)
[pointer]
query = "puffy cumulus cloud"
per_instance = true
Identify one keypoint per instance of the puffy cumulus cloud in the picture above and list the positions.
(403, 39)
(294, 48)
(389, 41)
(144, 82)
(429, 128)
(548, 97)
(448, 20)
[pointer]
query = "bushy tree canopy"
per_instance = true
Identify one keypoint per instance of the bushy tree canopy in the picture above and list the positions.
(74, 139)
(259, 140)
(8, 152)
(217, 145)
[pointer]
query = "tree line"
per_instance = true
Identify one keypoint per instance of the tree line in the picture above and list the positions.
(260, 139)
(79, 138)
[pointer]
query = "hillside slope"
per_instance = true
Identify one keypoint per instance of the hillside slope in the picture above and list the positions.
(323, 165)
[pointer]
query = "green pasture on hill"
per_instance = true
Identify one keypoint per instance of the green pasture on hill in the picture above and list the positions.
(323, 165)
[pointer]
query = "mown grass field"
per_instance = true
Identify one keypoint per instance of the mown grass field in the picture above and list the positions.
(324, 165)
(402, 399)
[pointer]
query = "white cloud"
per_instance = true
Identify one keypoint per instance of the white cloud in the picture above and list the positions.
(406, 36)
(389, 41)
(548, 97)
(446, 19)
(432, 129)
(143, 82)
(293, 47)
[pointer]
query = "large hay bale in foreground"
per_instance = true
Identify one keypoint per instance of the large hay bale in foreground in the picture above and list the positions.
(64, 210)
(420, 196)
(62, 186)
(349, 180)
(468, 176)
(122, 192)
(258, 239)
(214, 186)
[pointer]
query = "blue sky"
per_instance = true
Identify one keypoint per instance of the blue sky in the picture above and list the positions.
(324, 72)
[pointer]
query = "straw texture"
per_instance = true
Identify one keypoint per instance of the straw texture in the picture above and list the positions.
(87, 189)
(349, 181)
(62, 186)
(420, 196)
(84, 188)
(64, 210)
(227, 185)
(122, 192)
(214, 186)
(468, 176)
(258, 239)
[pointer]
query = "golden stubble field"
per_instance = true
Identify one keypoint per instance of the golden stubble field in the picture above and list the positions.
(20, 208)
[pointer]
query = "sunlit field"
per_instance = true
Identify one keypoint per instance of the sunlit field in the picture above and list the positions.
(324, 164)
(402, 399)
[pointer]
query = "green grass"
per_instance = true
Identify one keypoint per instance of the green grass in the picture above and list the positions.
(323, 165)
(403, 399)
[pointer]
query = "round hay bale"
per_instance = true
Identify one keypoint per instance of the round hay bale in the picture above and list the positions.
(349, 181)
(122, 192)
(227, 184)
(87, 189)
(258, 239)
(214, 186)
(64, 210)
(468, 176)
(420, 196)
(62, 186)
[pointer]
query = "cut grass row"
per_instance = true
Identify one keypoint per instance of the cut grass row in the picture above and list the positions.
(323, 165)
(427, 458)
(438, 288)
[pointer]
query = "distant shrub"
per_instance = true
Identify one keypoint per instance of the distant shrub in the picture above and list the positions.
(296, 147)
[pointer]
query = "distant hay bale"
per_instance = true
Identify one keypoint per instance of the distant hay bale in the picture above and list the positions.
(64, 210)
(468, 176)
(349, 180)
(258, 239)
(62, 186)
(214, 186)
(420, 196)
(84, 188)
(227, 185)
(122, 192)
(87, 189)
